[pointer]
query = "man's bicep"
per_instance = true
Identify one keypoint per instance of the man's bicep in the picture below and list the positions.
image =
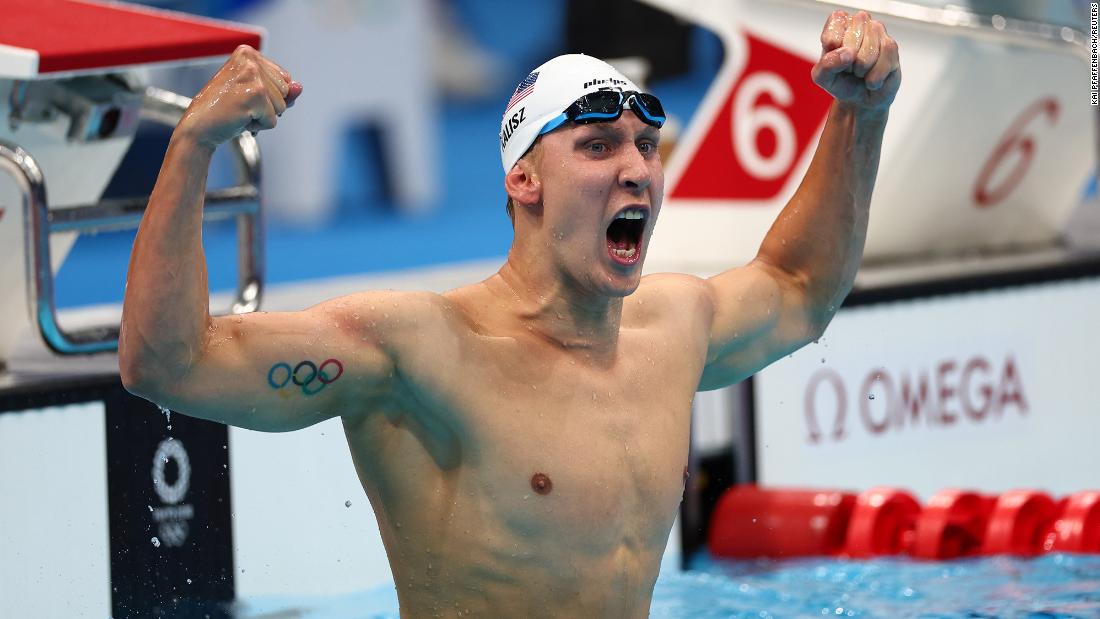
(760, 314)
(283, 371)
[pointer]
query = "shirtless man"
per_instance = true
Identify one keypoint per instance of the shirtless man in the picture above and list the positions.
(522, 440)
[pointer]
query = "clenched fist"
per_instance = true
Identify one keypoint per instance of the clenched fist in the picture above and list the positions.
(248, 93)
(859, 62)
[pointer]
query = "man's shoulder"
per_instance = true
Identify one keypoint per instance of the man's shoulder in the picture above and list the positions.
(662, 295)
(372, 300)
(388, 310)
(676, 287)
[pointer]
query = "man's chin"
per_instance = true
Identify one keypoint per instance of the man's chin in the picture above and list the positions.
(623, 284)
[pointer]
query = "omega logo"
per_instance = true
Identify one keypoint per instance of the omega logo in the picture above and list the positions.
(974, 390)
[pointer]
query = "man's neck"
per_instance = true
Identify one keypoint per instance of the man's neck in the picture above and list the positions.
(543, 303)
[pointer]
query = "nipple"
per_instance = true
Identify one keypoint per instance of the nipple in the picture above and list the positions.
(541, 484)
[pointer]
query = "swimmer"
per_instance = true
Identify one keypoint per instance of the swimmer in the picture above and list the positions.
(522, 440)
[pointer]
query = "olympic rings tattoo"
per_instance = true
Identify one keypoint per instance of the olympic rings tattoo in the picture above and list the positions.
(305, 375)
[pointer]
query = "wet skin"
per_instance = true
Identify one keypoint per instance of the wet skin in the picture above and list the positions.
(565, 364)
(529, 461)
(522, 440)
(514, 477)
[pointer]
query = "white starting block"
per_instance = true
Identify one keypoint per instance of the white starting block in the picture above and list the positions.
(989, 146)
(70, 104)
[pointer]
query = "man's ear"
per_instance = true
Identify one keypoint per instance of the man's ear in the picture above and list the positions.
(523, 184)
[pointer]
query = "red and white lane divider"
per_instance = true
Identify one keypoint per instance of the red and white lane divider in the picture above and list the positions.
(750, 521)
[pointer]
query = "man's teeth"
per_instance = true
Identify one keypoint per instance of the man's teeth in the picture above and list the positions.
(631, 213)
(625, 253)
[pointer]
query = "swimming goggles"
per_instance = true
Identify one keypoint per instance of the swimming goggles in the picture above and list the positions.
(607, 106)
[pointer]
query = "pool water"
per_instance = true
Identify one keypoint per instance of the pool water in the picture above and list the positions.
(1058, 586)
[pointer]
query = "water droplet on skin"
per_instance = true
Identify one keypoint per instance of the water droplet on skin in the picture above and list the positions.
(150, 508)
(188, 581)
(156, 542)
(347, 503)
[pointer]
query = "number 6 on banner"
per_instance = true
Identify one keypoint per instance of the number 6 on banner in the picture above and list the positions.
(748, 121)
(755, 132)
(1015, 140)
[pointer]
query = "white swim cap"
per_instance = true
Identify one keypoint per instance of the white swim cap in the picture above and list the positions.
(545, 93)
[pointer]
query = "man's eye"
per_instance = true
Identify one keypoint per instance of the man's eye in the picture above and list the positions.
(598, 147)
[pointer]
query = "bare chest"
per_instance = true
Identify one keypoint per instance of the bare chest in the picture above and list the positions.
(560, 444)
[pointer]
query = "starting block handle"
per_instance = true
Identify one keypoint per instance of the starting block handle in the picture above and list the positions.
(241, 201)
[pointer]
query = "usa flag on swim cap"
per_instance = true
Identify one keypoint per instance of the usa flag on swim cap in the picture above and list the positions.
(525, 87)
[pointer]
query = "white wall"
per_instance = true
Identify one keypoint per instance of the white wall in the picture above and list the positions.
(54, 558)
(1038, 428)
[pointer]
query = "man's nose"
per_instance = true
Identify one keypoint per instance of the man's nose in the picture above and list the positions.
(635, 174)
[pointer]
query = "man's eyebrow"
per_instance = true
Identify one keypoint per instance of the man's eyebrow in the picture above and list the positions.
(611, 131)
(607, 129)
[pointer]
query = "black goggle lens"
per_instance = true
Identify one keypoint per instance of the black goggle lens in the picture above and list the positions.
(606, 105)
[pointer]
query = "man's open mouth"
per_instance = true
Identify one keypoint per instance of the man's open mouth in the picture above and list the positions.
(624, 236)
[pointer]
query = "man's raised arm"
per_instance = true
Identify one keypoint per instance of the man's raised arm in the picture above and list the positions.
(808, 261)
(275, 371)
